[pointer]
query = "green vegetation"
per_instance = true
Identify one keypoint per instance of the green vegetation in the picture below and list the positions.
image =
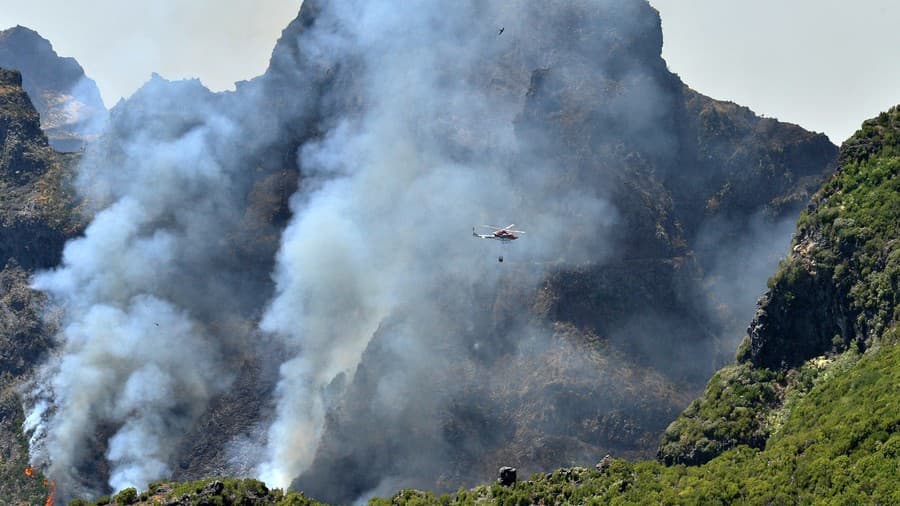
(208, 492)
(744, 405)
(726, 416)
(858, 217)
(127, 496)
(852, 231)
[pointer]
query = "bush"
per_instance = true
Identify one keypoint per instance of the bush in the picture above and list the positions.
(127, 496)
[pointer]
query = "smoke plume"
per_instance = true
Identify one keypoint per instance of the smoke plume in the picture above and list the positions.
(147, 289)
(391, 191)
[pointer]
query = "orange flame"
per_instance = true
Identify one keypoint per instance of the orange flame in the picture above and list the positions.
(29, 472)
(49, 501)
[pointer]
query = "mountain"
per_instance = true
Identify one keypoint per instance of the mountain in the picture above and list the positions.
(35, 222)
(596, 355)
(279, 281)
(68, 101)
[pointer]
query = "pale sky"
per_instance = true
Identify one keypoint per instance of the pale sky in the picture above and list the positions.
(824, 64)
(121, 42)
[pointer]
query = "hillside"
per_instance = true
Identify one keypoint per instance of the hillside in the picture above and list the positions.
(836, 290)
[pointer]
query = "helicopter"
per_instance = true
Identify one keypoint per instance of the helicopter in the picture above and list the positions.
(502, 234)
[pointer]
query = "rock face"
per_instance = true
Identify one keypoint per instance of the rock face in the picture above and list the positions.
(69, 102)
(35, 216)
(836, 286)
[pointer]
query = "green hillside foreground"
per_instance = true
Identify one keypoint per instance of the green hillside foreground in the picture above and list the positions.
(838, 289)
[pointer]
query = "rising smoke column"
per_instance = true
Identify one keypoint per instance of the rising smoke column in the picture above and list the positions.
(137, 358)
(390, 192)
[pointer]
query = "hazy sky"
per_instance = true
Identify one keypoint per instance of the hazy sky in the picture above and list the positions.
(824, 64)
(120, 42)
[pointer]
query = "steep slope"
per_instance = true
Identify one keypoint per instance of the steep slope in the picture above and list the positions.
(68, 101)
(35, 221)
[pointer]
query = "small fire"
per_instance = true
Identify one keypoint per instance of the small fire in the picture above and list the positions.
(49, 501)
(29, 472)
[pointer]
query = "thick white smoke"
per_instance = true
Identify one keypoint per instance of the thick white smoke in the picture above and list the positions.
(391, 192)
(136, 362)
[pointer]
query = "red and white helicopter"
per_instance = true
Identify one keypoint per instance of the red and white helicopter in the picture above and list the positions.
(502, 234)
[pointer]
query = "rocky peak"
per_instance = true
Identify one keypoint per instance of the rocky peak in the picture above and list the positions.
(69, 103)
